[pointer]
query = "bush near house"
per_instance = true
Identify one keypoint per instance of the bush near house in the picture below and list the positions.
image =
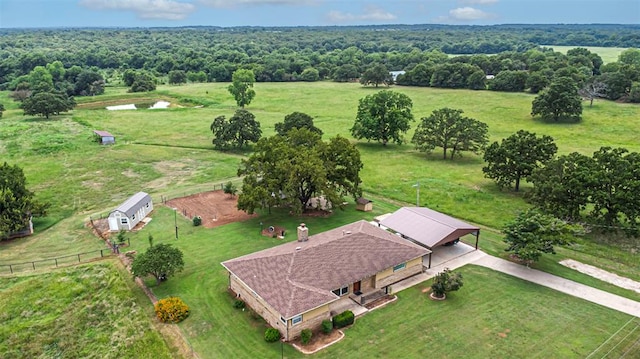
(343, 319)
(271, 335)
(171, 310)
(238, 304)
(305, 336)
(327, 326)
(197, 220)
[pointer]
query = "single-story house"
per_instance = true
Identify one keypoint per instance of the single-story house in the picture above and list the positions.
(130, 212)
(295, 285)
(363, 204)
(105, 137)
(427, 227)
(395, 74)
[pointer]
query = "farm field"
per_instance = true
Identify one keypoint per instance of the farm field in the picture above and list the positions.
(168, 153)
(608, 54)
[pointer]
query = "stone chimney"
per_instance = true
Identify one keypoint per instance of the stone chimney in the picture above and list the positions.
(303, 233)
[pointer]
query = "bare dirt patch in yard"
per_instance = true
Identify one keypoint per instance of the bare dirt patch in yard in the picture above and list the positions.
(214, 207)
(318, 341)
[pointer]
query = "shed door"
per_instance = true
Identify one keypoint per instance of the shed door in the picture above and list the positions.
(113, 223)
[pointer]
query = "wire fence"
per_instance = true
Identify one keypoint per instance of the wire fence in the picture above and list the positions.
(51, 263)
(218, 186)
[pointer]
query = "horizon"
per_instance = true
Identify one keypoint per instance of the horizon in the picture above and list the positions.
(47, 14)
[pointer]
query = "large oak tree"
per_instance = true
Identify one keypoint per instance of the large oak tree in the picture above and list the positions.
(560, 101)
(383, 117)
(241, 129)
(288, 171)
(448, 129)
(516, 156)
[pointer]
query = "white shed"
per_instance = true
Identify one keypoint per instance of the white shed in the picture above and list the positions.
(130, 212)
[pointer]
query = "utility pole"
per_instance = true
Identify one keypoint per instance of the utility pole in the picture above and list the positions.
(417, 186)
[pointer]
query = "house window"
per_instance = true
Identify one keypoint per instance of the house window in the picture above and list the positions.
(341, 291)
(133, 217)
(124, 220)
(295, 320)
(400, 266)
(147, 205)
(283, 320)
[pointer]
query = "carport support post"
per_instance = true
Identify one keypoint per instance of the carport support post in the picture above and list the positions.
(477, 236)
(430, 260)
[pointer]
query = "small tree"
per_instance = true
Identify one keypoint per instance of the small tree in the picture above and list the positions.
(533, 233)
(177, 77)
(17, 203)
(376, 75)
(122, 236)
(242, 87)
(1, 109)
(161, 261)
(592, 90)
(230, 189)
(47, 104)
(445, 282)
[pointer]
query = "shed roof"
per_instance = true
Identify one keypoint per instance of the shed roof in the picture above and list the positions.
(134, 203)
(362, 200)
(426, 226)
(296, 277)
(103, 133)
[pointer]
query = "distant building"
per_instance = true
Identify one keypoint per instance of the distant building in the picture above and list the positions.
(130, 212)
(105, 138)
(395, 74)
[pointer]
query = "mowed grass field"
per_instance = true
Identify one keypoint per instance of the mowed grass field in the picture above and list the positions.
(169, 153)
(608, 54)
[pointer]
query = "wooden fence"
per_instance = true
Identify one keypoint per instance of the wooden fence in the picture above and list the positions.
(50, 263)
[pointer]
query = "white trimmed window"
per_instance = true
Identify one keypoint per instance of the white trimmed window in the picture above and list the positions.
(341, 291)
(283, 320)
(297, 319)
(124, 220)
(400, 266)
(133, 217)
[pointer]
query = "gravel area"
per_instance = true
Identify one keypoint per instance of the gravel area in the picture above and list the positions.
(602, 275)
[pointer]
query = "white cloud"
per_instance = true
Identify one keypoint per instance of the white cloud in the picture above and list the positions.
(370, 13)
(468, 14)
(145, 9)
(236, 3)
(478, 2)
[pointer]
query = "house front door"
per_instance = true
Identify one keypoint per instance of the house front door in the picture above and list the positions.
(356, 288)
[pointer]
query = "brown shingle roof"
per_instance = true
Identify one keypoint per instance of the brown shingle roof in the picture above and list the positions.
(298, 276)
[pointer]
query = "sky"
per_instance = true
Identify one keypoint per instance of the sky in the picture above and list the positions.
(229, 13)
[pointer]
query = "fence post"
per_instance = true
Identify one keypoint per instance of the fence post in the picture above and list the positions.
(56, 259)
(129, 241)
(101, 255)
(11, 268)
(78, 257)
(34, 265)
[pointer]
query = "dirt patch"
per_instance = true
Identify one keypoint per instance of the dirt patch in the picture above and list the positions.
(318, 341)
(380, 302)
(214, 207)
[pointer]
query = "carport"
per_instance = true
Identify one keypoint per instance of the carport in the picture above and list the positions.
(427, 227)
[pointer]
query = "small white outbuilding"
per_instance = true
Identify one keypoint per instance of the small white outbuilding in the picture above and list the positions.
(130, 212)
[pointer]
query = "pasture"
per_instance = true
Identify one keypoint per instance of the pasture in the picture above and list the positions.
(169, 153)
(608, 54)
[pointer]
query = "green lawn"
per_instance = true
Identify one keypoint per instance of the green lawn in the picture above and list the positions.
(88, 311)
(470, 321)
(169, 153)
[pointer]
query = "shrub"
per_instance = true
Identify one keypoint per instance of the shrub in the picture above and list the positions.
(343, 319)
(446, 281)
(305, 336)
(122, 236)
(171, 310)
(271, 335)
(239, 304)
(197, 220)
(327, 326)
